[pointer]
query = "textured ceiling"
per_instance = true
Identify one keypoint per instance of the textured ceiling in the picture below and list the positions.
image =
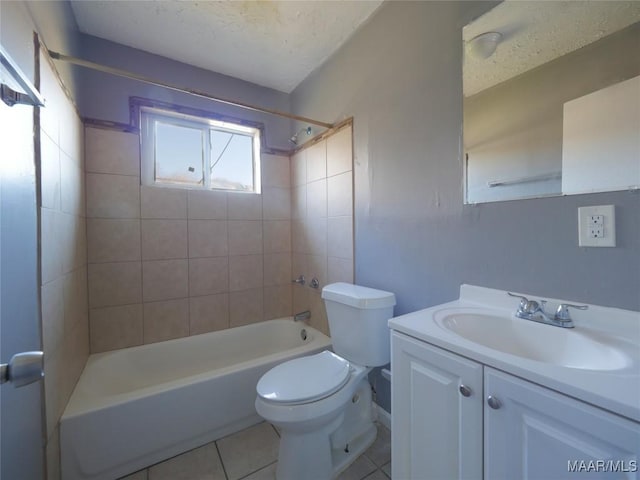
(536, 32)
(275, 44)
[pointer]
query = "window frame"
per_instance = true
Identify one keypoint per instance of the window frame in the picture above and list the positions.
(150, 115)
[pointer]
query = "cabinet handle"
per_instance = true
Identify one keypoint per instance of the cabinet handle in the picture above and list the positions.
(465, 391)
(493, 402)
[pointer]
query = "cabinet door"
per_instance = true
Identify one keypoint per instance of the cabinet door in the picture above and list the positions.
(536, 433)
(436, 430)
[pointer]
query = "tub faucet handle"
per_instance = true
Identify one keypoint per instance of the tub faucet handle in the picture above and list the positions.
(300, 280)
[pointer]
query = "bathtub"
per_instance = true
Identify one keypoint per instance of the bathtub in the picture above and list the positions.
(138, 406)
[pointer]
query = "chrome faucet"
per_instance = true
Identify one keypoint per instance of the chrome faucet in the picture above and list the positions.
(302, 316)
(534, 311)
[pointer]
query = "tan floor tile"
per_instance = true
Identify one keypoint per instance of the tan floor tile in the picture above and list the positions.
(358, 469)
(380, 452)
(200, 464)
(249, 450)
(266, 473)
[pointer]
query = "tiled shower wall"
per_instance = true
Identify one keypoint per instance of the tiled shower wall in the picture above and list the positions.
(167, 262)
(63, 253)
(322, 220)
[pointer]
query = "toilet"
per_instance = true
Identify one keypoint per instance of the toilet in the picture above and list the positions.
(322, 403)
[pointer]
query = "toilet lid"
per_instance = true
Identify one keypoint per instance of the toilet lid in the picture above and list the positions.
(304, 379)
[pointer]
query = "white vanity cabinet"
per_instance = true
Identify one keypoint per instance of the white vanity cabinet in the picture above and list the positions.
(505, 428)
(436, 402)
(538, 433)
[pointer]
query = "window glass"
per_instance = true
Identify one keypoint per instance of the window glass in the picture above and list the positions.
(196, 152)
(178, 154)
(232, 165)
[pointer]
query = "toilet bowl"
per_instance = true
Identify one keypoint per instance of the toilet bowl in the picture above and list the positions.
(322, 403)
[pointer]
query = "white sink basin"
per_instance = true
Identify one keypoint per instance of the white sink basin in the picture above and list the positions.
(570, 348)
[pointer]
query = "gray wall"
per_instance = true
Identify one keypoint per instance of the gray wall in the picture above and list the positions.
(400, 77)
(106, 97)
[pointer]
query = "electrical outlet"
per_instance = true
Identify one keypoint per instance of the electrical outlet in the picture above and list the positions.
(595, 229)
(596, 226)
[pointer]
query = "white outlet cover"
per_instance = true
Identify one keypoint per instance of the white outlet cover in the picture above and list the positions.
(608, 213)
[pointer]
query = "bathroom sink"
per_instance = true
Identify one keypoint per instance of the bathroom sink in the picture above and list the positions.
(570, 348)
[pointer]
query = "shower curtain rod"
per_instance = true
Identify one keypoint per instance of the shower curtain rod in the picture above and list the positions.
(133, 76)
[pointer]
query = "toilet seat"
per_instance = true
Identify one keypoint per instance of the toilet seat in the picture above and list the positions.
(304, 380)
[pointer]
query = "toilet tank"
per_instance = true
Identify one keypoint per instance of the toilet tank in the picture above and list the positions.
(358, 319)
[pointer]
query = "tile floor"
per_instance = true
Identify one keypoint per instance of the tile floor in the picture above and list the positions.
(252, 454)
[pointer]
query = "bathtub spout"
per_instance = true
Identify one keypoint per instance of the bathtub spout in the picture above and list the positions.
(302, 316)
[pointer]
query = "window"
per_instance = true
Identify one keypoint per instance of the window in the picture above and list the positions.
(194, 152)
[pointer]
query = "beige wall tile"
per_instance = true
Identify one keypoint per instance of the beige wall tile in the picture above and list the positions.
(164, 239)
(52, 306)
(317, 199)
(113, 240)
(71, 132)
(159, 202)
(317, 268)
(245, 272)
(276, 236)
(208, 276)
(317, 161)
(166, 320)
(51, 224)
(50, 172)
(301, 300)
(299, 237)
(73, 241)
(110, 151)
(112, 196)
(339, 152)
(245, 307)
(277, 269)
(316, 233)
(50, 89)
(72, 186)
(76, 301)
(207, 205)
(340, 195)
(276, 203)
(208, 238)
(113, 284)
(208, 313)
(244, 206)
(339, 270)
(318, 313)
(299, 168)
(245, 237)
(165, 279)
(299, 265)
(275, 171)
(340, 240)
(115, 327)
(299, 202)
(277, 301)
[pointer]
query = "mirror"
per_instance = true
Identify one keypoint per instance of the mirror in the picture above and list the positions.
(551, 99)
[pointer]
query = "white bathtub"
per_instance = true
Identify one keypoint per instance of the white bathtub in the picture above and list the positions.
(137, 406)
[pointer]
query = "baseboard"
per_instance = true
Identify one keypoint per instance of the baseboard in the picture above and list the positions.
(382, 415)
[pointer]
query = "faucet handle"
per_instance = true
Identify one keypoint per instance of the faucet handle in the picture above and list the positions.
(562, 313)
(523, 300)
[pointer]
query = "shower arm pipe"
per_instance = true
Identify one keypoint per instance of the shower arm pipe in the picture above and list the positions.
(190, 91)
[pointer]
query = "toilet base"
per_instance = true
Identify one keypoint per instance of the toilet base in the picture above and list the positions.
(325, 452)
